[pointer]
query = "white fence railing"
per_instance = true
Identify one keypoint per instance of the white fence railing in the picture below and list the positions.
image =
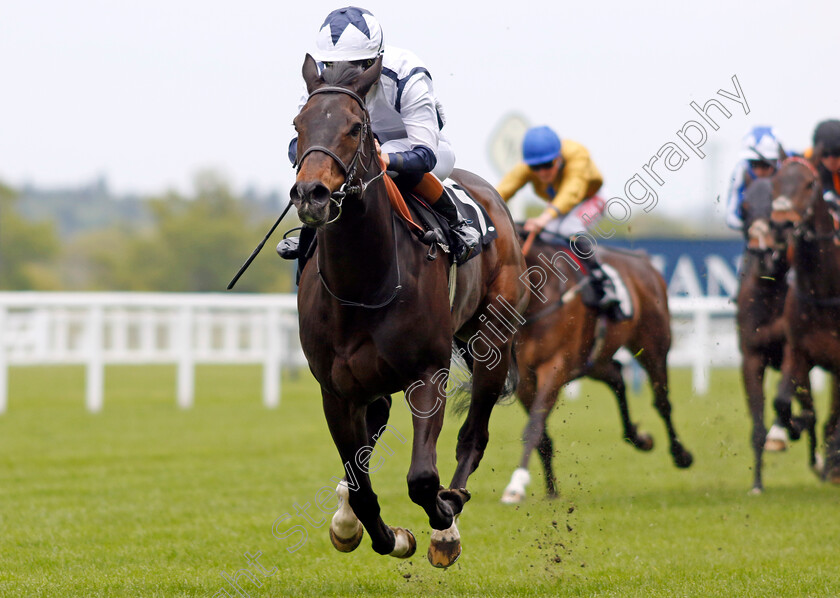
(95, 329)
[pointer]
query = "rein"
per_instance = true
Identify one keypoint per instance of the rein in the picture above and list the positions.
(347, 303)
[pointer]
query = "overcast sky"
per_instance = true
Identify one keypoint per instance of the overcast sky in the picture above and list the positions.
(148, 92)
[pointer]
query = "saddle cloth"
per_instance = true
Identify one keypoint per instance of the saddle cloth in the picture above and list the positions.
(625, 301)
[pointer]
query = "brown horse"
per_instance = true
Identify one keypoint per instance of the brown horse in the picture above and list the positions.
(563, 339)
(760, 302)
(812, 308)
(375, 316)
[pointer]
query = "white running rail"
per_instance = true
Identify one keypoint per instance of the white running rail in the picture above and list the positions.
(95, 329)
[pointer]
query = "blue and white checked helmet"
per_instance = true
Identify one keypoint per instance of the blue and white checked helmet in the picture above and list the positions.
(348, 34)
(761, 143)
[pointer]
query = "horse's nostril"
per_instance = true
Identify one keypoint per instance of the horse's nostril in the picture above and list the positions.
(310, 191)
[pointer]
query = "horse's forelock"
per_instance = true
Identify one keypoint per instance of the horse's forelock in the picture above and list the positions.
(341, 74)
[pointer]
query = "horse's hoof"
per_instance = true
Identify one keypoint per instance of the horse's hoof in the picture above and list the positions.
(755, 492)
(350, 544)
(405, 545)
(444, 554)
(683, 459)
(777, 439)
(512, 497)
(643, 442)
(775, 446)
(819, 466)
(445, 546)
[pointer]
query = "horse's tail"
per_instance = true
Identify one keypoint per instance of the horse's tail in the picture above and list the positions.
(460, 393)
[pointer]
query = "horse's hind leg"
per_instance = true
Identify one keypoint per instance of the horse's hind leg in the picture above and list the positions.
(752, 370)
(349, 428)
(654, 363)
(610, 374)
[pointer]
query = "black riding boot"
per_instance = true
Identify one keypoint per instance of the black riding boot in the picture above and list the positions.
(468, 238)
(602, 286)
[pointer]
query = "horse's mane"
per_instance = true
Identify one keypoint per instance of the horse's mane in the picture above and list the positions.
(341, 74)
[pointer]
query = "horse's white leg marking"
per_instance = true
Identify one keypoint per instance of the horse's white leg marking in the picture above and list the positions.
(515, 491)
(345, 528)
(776, 439)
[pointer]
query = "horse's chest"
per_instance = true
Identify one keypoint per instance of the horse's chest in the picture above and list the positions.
(351, 367)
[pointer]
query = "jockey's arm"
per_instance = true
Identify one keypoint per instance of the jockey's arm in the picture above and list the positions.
(419, 116)
(514, 180)
(574, 185)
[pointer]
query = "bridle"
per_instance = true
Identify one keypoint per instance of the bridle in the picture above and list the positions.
(350, 186)
(801, 229)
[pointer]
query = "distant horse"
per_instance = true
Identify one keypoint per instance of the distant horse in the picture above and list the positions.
(760, 301)
(563, 339)
(812, 309)
(375, 316)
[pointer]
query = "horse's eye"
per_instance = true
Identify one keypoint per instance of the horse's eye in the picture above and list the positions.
(356, 129)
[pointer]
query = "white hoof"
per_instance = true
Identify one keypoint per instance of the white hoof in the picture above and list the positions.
(346, 530)
(819, 465)
(776, 440)
(515, 491)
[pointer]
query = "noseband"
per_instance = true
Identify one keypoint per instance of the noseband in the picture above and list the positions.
(350, 186)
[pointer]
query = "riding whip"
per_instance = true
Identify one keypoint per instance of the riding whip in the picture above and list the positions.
(258, 249)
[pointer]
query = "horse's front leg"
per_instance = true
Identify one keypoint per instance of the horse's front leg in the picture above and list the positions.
(426, 400)
(349, 423)
(795, 383)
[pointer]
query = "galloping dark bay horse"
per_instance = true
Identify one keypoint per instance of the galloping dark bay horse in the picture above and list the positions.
(812, 308)
(375, 316)
(563, 339)
(760, 301)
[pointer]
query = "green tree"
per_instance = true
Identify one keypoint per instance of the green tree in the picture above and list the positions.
(194, 244)
(26, 248)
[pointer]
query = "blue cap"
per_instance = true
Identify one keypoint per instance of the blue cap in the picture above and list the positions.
(540, 145)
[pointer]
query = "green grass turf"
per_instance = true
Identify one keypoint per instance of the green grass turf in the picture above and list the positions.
(146, 500)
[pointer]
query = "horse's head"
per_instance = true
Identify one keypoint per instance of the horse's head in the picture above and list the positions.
(334, 136)
(796, 192)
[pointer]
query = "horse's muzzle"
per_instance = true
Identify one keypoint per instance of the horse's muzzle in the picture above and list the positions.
(312, 201)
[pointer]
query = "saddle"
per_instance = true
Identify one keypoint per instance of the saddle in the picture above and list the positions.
(435, 230)
(582, 277)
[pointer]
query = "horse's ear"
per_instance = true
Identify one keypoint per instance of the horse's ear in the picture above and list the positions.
(782, 153)
(310, 74)
(370, 76)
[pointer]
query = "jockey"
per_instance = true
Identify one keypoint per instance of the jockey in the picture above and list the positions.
(563, 174)
(759, 158)
(406, 116)
(827, 151)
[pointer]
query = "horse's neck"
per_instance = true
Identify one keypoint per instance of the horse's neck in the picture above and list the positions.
(356, 253)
